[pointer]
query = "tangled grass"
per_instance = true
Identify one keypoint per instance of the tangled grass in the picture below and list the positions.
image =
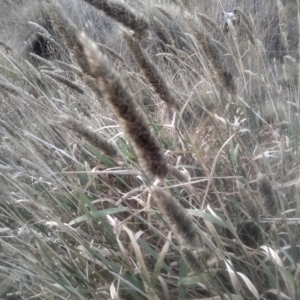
(164, 165)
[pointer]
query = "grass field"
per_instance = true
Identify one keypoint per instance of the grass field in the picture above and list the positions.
(149, 150)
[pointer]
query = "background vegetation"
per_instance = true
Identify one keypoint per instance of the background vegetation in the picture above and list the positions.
(156, 156)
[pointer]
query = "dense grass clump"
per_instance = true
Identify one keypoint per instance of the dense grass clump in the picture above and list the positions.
(149, 150)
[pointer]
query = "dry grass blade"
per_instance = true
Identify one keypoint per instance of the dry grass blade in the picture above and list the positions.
(43, 61)
(70, 67)
(10, 129)
(6, 47)
(297, 275)
(275, 258)
(139, 256)
(250, 285)
(15, 90)
(209, 22)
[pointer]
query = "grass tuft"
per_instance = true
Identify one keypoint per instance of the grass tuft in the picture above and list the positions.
(131, 158)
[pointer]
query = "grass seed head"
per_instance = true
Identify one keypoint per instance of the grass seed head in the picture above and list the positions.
(192, 260)
(73, 85)
(69, 33)
(282, 24)
(150, 70)
(177, 217)
(95, 139)
(213, 55)
(267, 193)
(125, 108)
(245, 19)
(125, 15)
(248, 203)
